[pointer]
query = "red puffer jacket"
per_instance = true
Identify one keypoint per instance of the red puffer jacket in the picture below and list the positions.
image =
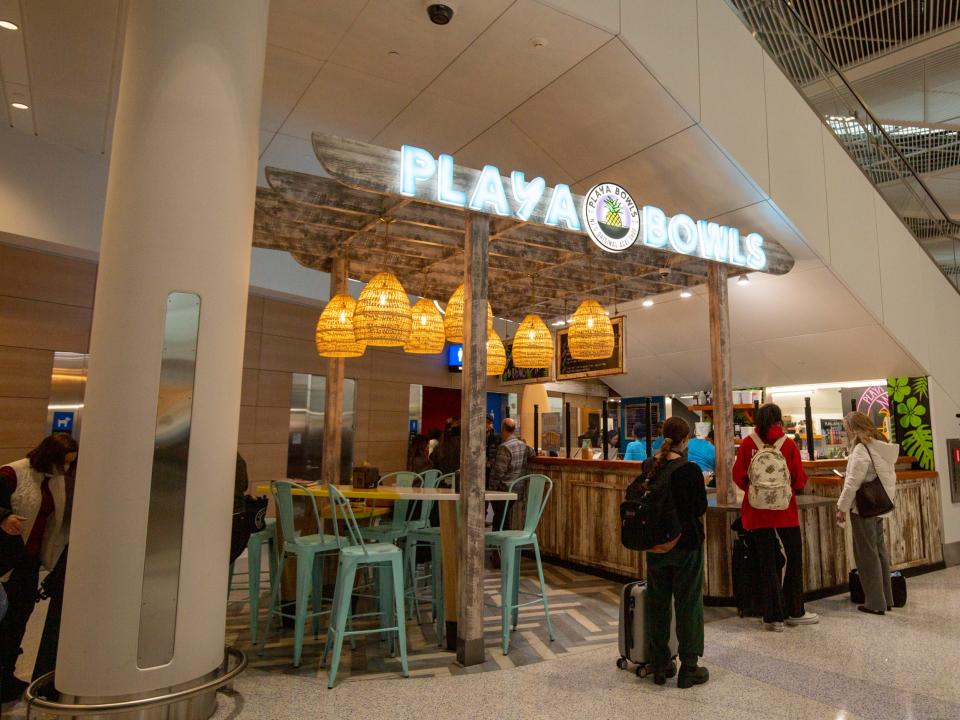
(752, 518)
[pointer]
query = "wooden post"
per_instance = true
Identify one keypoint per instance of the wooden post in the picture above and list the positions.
(470, 647)
(722, 380)
(333, 391)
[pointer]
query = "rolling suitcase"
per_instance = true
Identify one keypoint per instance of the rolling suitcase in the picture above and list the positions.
(897, 579)
(633, 629)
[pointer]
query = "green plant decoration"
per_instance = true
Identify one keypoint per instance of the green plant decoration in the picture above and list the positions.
(911, 413)
(919, 443)
(898, 388)
(920, 387)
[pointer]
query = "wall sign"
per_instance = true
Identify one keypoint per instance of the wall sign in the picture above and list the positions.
(512, 375)
(570, 369)
(611, 217)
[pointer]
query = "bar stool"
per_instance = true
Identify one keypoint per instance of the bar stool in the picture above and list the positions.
(309, 552)
(268, 537)
(354, 554)
(396, 528)
(430, 537)
(510, 543)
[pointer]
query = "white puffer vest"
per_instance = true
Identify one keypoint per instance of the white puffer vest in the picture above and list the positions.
(25, 502)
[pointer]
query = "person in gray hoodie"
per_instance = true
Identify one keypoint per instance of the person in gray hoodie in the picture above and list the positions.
(870, 456)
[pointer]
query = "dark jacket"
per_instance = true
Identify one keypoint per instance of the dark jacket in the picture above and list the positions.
(690, 500)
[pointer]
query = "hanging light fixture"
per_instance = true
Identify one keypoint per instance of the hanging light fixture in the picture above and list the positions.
(533, 343)
(496, 353)
(591, 333)
(382, 316)
(335, 336)
(426, 329)
(453, 316)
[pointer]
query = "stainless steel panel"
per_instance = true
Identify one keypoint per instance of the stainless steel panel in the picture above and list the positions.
(68, 381)
(307, 412)
(168, 484)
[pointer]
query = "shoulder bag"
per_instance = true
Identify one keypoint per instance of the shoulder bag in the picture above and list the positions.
(872, 499)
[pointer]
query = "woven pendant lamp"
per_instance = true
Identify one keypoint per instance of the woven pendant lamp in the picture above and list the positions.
(533, 344)
(591, 332)
(496, 353)
(382, 317)
(426, 329)
(453, 317)
(335, 335)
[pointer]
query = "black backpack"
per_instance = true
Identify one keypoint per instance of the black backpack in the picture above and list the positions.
(648, 516)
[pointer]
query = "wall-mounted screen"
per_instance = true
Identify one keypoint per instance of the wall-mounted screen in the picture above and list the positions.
(455, 357)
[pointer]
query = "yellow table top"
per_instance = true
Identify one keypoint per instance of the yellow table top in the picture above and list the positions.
(390, 492)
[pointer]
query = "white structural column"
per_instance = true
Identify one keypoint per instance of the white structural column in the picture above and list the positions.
(179, 217)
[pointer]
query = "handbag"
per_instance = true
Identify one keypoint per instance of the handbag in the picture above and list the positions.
(255, 512)
(872, 499)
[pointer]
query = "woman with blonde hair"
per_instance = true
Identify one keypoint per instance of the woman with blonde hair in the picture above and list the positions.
(871, 456)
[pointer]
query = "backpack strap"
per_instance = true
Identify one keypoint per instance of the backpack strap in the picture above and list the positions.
(760, 444)
(779, 443)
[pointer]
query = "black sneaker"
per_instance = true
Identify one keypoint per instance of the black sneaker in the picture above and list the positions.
(11, 689)
(661, 674)
(690, 676)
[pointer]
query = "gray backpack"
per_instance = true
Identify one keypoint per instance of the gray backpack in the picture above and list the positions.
(770, 482)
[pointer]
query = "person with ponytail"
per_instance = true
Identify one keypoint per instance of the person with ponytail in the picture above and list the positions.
(782, 602)
(675, 577)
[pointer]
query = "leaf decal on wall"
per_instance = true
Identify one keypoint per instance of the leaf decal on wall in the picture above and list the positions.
(919, 385)
(919, 443)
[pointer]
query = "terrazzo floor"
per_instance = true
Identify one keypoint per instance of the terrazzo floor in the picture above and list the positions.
(849, 667)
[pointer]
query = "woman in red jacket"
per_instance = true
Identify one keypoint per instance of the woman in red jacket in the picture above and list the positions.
(770, 528)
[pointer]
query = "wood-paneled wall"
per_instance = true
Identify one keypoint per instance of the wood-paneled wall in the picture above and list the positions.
(46, 304)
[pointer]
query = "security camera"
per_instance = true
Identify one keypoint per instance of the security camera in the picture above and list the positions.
(440, 13)
(664, 272)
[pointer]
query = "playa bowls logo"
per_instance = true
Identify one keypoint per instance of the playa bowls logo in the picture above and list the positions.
(611, 217)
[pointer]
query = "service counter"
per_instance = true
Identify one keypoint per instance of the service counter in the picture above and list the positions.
(581, 524)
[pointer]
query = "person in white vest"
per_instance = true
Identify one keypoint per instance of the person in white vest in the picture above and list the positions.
(33, 498)
(871, 456)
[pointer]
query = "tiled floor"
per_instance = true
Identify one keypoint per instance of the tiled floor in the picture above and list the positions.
(849, 667)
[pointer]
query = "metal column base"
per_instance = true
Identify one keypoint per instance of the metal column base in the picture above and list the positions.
(195, 700)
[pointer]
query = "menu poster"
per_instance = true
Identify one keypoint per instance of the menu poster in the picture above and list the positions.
(833, 431)
(551, 433)
(512, 375)
(570, 369)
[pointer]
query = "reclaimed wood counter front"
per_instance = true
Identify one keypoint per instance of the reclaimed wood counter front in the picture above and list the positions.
(581, 524)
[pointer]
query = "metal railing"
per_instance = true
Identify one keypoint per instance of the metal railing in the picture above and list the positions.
(40, 706)
(781, 31)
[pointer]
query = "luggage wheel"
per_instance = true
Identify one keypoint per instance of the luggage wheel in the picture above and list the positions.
(641, 671)
(622, 663)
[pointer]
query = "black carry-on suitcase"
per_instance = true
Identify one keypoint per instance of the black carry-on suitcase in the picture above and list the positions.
(633, 629)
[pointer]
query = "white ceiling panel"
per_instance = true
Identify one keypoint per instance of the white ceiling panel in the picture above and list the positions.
(764, 218)
(396, 40)
(684, 173)
(71, 49)
(289, 153)
(672, 325)
(502, 68)
(436, 124)
(286, 76)
(605, 14)
(346, 102)
(311, 27)
(693, 366)
(647, 376)
(506, 146)
(602, 110)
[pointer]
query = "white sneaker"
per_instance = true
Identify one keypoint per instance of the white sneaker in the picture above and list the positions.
(773, 626)
(808, 618)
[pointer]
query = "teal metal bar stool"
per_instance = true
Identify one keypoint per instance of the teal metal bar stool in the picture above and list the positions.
(268, 537)
(400, 524)
(510, 543)
(386, 558)
(429, 536)
(420, 520)
(309, 552)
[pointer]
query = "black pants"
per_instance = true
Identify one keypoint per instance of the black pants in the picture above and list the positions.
(499, 506)
(780, 600)
(21, 591)
(675, 576)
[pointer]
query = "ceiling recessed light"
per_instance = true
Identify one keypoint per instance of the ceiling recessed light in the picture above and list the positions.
(538, 42)
(7, 25)
(743, 280)
(19, 106)
(393, 54)
(685, 293)
(648, 302)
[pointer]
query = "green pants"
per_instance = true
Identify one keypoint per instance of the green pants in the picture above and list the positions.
(676, 575)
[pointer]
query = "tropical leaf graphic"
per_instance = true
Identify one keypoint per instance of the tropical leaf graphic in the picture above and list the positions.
(919, 443)
(920, 387)
(911, 413)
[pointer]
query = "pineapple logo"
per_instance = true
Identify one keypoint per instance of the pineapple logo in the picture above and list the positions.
(611, 217)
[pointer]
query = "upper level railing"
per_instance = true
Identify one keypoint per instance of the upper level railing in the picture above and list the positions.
(890, 165)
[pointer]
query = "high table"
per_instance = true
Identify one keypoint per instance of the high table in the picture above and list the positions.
(449, 535)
